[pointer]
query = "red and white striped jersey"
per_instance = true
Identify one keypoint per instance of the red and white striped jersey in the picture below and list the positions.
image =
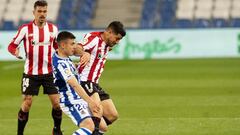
(39, 45)
(93, 43)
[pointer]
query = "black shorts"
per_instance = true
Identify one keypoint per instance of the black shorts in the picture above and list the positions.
(91, 88)
(31, 84)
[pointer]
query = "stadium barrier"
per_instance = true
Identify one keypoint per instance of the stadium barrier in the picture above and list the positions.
(158, 44)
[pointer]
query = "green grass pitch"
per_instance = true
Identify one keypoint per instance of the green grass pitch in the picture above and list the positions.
(153, 97)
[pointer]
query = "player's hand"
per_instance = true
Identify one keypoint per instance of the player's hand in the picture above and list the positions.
(17, 54)
(94, 106)
(85, 59)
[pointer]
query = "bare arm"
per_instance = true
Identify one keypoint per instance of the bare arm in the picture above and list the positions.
(94, 106)
(80, 91)
(85, 56)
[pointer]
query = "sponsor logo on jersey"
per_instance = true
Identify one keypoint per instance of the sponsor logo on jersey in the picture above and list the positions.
(40, 43)
(84, 41)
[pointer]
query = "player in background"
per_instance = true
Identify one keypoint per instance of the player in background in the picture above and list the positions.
(38, 37)
(74, 101)
(98, 44)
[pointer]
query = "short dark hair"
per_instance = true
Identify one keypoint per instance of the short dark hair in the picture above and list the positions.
(64, 35)
(41, 3)
(117, 28)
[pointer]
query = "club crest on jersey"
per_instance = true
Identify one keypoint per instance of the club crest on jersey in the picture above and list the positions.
(68, 72)
(99, 56)
(33, 43)
(83, 41)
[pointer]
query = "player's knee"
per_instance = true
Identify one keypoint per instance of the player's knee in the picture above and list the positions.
(87, 123)
(56, 106)
(27, 103)
(114, 116)
(55, 99)
(103, 127)
(98, 114)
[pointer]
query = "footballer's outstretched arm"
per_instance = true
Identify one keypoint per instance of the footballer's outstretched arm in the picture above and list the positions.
(94, 106)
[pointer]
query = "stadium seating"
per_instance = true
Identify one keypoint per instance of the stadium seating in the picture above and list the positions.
(219, 22)
(201, 23)
(85, 14)
(67, 14)
(8, 25)
(149, 12)
(190, 13)
(76, 14)
(183, 23)
(235, 22)
(127, 11)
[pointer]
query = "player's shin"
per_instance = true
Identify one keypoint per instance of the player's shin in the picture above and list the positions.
(96, 122)
(22, 121)
(57, 118)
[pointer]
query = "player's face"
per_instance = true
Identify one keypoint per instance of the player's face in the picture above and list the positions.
(113, 38)
(40, 14)
(69, 47)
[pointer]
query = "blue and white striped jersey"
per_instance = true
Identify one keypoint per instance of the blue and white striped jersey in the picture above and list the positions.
(63, 70)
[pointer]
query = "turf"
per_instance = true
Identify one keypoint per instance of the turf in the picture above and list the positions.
(153, 97)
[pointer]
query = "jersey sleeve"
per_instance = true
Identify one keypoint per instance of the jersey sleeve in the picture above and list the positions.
(55, 45)
(88, 42)
(65, 71)
(55, 32)
(17, 39)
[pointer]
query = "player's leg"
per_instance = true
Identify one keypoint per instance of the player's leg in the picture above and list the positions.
(100, 125)
(80, 115)
(86, 127)
(56, 114)
(110, 113)
(23, 113)
(29, 87)
(92, 91)
(50, 89)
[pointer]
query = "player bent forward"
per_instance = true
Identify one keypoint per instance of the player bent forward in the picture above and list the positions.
(98, 44)
(74, 101)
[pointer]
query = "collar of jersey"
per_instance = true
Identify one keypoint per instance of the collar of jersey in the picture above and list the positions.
(36, 24)
(65, 58)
